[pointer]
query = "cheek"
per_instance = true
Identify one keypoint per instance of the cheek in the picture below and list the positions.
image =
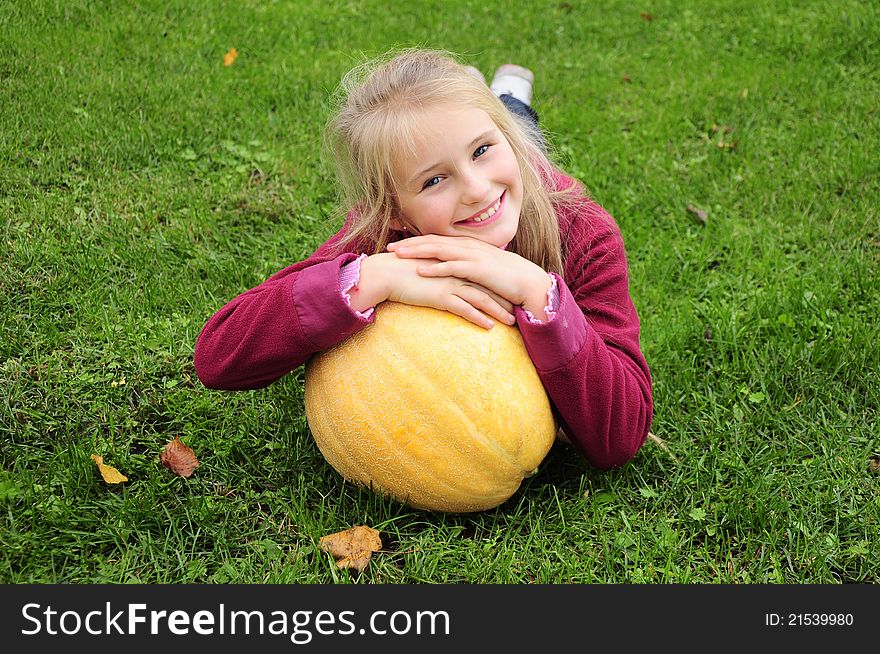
(516, 185)
(513, 172)
(427, 214)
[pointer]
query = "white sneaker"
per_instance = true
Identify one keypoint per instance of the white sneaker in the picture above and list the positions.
(514, 80)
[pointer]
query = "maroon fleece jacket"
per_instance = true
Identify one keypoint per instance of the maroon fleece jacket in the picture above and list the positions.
(588, 356)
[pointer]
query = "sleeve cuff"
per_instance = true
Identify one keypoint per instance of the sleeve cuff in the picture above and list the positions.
(553, 344)
(552, 304)
(324, 316)
(349, 276)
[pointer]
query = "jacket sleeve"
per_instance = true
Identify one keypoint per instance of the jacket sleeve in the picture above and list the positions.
(272, 329)
(588, 356)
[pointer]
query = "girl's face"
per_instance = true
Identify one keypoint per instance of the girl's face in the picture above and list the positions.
(461, 178)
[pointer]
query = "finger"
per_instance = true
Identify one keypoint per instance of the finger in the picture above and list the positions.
(505, 304)
(456, 268)
(466, 310)
(411, 241)
(426, 238)
(466, 271)
(423, 251)
(422, 247)
(486, 303)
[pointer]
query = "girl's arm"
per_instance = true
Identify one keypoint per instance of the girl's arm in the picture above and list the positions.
(272, 329)
(588, 355)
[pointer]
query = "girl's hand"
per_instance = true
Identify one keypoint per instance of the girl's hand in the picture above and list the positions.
(388, 277)
(508, 275)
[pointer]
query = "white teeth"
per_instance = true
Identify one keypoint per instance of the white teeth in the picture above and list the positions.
(489, 212)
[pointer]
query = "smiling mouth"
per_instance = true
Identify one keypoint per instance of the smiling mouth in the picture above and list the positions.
(486, 214)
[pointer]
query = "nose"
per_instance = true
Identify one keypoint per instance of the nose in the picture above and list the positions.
(475, 187)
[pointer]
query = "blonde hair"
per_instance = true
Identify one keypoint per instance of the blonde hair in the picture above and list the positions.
(378, 104)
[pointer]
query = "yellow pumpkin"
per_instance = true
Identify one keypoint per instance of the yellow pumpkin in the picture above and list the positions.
(427, 407)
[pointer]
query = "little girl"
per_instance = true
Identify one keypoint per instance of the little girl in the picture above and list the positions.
(455, 205)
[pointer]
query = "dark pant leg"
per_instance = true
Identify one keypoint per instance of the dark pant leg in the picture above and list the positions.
(520, 108)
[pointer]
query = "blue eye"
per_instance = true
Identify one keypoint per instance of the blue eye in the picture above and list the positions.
(431, 182)
(480, 151)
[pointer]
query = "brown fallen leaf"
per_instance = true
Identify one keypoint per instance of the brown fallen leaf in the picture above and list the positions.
(646, 16)
(179, 458)
(700, 215)
(874, 463)
(230, 57)
(110, 474)
(353, 547)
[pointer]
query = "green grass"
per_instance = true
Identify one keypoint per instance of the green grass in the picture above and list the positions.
(143, 185)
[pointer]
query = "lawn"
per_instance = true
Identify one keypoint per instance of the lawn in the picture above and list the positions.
(143, 184)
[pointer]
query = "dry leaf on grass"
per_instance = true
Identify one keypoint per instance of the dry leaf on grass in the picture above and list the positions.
(179, 458)
(230, 57)
(110, 474)
(353, 547)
